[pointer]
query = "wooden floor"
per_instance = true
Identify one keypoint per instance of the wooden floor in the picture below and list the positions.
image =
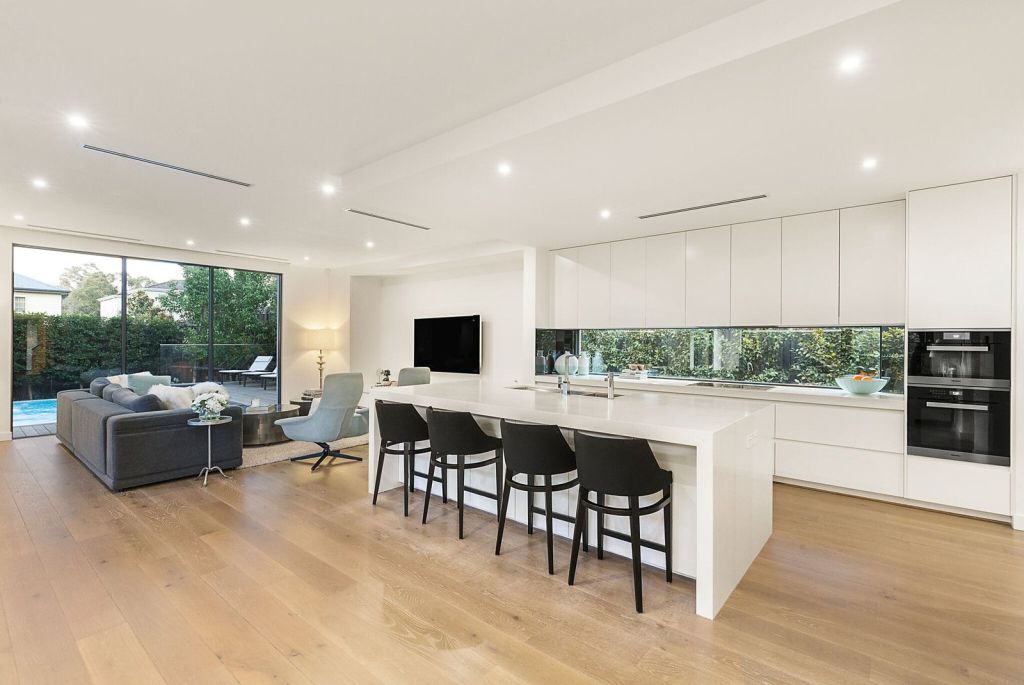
(279, 575)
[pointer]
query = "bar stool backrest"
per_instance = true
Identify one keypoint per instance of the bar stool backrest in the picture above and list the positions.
(456, 432)
(400, 422)
(618, 466)
(537, 450)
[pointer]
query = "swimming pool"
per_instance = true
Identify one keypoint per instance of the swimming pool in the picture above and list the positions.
(35, 412)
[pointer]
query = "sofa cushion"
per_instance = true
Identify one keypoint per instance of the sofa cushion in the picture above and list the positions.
(89, 431)
(129, 399)
(141, 383)
(65, 399)
(171, 397)
(109, 389)
(97, 385)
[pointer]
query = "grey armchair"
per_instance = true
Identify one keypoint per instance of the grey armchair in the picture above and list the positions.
(336, 416)
(414, 375)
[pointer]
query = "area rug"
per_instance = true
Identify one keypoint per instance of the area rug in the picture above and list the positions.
(268, 454)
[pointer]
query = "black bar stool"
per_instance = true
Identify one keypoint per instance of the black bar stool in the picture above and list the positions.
(536, 450)
(400, 424)
(457, 433)
(624, 467)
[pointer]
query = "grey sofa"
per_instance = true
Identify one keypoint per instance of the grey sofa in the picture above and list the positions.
(127, 441)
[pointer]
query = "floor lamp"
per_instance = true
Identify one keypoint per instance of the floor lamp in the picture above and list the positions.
(320, 340)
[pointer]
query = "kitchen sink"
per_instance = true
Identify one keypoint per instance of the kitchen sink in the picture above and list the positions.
(557, 391)
(730, 386)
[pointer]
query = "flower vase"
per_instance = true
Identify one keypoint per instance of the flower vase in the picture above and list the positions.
(597, 365)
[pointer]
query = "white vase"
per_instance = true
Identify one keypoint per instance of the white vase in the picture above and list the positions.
(567, 363)
(597, 366)
(584, 364)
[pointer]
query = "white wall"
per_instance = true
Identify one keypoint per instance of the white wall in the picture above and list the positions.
(383, 310)
(41, 303)
(309, 300)
(1017, 451)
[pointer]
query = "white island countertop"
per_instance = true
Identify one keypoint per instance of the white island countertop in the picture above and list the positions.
(720, 451)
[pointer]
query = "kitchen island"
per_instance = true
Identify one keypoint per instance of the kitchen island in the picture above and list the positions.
(720, 450)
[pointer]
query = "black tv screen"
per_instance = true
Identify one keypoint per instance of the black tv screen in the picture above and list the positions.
(448, 344)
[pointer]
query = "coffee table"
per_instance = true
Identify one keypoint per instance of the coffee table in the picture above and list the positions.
(258, 426)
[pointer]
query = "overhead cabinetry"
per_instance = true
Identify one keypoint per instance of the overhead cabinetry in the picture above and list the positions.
(959, 255)
(822, 269)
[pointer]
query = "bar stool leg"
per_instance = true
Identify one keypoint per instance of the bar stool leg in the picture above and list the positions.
(504, 511)
(430, 482)
(600, 527)
(462, 491)
(405, 486)
(576, 533)
(499, 470)
(529, 507)
(444, 484)
(380, 470)
(634, 538)
(547, 524)
(586, 531)
(667, 513)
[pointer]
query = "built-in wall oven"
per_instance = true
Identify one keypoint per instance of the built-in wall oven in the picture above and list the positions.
(958, 395)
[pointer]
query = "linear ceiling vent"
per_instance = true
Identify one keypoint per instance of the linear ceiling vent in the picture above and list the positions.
(165, 165)
(387, 218)
(68, 231)
(253, 256)
(712, 204)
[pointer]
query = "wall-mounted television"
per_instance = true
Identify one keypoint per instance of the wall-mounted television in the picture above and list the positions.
(448, 344)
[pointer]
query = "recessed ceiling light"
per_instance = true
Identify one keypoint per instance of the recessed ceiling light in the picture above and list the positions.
(245, 221)
(328, 189)
(19, 217)
(504, 169)
(190, 242)
(39, 183)
(605, 213)
(869, 163)
(369, 244)
(851, 63)
(306, 258)
(77, 121)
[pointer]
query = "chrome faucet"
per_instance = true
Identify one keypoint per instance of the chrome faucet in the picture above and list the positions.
(611, 385)
(563, 383)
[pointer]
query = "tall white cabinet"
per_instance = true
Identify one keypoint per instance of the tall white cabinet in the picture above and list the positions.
(873, 264)
(756, 273)
(627, 284)
(708, 271)
(959, 270)
(810, 269)
(594, 266)
(565, 288)
(665, 281)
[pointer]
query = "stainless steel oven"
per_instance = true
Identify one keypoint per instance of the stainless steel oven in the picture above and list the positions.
(975, 359)
(959, 423)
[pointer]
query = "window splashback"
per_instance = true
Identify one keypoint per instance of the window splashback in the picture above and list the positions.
(781, 356)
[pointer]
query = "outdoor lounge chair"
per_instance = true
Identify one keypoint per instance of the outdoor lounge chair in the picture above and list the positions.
(259, 366)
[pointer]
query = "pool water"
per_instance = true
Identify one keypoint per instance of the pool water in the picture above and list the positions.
(35, 412)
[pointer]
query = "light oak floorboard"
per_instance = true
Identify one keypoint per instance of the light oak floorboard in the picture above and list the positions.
(279, 575)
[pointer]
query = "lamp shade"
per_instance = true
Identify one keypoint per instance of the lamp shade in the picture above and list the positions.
(322, 339)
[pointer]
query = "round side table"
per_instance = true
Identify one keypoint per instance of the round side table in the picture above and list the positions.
(219, 421)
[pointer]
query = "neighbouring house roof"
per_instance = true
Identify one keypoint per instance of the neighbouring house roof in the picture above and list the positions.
(31, 285)
(155, 289)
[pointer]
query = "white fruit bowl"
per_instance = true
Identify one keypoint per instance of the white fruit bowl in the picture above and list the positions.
(861, 387)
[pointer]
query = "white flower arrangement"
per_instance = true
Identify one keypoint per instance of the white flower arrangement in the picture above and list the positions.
(210, 404)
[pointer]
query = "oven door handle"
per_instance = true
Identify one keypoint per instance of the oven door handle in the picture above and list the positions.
(956, 405)
(957, 348)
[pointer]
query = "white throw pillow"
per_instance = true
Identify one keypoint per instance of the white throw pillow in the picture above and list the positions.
(200, 388)
(171, 397)
(121, 379)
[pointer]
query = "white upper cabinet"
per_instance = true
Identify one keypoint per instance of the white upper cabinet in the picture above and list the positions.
(594, 267)
(707, 276)
(666, 281)
(873, 264)
(564, 288)
(959, 271)
(627, 284)
(756, 273)
(810, 269)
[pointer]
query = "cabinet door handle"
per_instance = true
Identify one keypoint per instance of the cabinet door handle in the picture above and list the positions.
(956, 405)
(957, 348)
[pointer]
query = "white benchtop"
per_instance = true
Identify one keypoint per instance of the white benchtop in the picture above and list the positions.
(665, 417)
(775, 393)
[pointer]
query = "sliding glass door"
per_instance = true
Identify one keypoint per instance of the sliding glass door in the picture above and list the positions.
(81, 316)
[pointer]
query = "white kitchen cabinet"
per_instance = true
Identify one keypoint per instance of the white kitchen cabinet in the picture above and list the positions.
(872, 264)
(958, 255)
(810, 269)
(707, 276)
(879, 430)
(627, 284)
(594, 289)
(844, 467)
(666, 281)
(564, 288)
(981, 487)
(756, 273)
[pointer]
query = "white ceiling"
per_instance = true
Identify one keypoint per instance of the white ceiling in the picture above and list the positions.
(409, 106)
